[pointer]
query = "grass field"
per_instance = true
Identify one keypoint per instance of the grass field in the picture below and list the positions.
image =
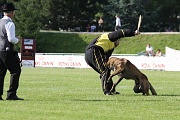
(49, 42)
(75, 94)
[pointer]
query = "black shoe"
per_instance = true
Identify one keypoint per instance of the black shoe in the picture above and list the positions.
(1, 98)
(14, 98)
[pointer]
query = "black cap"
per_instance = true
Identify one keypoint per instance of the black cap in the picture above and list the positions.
(8, 7)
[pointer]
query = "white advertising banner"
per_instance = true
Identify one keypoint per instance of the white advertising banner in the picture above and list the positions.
(170, 62)
(142, 62)
(60, 61)
(173, 59)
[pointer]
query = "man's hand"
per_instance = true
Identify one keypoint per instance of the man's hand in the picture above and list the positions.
(137, 32)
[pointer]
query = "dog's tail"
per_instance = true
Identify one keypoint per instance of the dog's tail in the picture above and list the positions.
(153, 91)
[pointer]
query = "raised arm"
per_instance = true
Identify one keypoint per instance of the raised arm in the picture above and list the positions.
(122, 33)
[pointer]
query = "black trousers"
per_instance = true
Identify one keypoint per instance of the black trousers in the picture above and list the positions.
(96, 59)
(9, 60)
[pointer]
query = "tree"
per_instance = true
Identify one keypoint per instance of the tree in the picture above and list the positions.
(30, 15)
(129, 11)
(157, 14)
(34, 15)
(71, 14)
(168, 15)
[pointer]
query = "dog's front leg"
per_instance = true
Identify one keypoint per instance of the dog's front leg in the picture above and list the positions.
(118, 70)
(116, 83)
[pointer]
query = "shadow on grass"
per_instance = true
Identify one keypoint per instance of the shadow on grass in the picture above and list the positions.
(91, 100)
(125, 98)
(101, 100)
(169, 95)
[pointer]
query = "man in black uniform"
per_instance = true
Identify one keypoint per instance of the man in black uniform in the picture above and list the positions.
(9, 59)
(100, 49)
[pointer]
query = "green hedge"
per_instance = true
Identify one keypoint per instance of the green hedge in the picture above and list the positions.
(50, 42)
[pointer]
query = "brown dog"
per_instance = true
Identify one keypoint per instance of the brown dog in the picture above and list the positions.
(125, 69)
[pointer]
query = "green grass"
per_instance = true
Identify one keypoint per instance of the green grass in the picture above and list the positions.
(49, 42)
(75, 94)
(134, 45)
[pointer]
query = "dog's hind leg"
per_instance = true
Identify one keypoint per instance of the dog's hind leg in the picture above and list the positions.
(145, 87)
(153, 91)
(144, 83)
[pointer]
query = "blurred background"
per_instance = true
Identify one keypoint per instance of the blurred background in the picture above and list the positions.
(70, 15)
